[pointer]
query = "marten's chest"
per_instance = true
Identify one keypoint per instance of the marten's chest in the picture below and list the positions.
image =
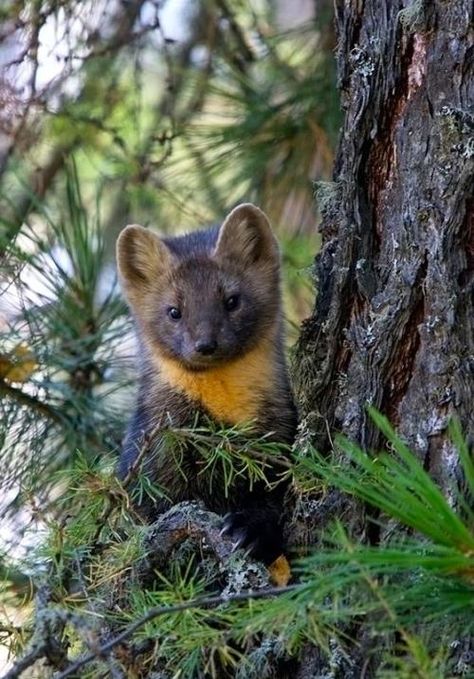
(232, 393)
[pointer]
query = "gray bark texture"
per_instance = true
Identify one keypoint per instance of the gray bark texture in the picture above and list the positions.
(393, 320)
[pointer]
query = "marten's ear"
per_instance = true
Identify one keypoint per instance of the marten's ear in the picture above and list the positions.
(246, 235)
(141, 257)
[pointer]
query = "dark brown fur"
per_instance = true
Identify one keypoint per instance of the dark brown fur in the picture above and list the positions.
(226, 363)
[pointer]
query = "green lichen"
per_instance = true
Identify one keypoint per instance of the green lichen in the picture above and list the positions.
(412, 17)
(327, 195)
(243, 575)
(362, 62)
(260, 663)
(458, 128)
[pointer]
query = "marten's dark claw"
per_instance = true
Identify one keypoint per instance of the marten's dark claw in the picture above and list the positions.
(253, 531)
(240, 536)
(236, 532)
(227, 524)
(235, 525)
(251, 549)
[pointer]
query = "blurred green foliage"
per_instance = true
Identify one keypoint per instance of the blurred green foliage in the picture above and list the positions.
(111, 119)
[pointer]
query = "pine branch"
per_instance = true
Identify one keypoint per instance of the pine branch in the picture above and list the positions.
(42, 178)
(244, 55)
(24, 399)
(46, 640)
(203, 602)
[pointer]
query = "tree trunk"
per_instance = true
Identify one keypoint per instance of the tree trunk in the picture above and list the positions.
(392, 325)
(393, 319)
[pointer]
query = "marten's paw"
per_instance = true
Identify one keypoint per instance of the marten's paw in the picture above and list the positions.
(256, 532)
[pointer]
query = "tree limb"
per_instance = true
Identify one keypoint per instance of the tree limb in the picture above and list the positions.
(203, 602)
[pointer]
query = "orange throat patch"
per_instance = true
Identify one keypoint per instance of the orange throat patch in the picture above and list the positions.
(232, 392)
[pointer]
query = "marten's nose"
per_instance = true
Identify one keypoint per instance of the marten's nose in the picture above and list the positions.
(206, 347)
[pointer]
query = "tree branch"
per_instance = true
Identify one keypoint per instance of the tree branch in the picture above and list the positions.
(42, 178)
(203, 602)
(29, 401)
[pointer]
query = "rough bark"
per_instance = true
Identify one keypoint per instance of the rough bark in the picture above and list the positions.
(392, 325)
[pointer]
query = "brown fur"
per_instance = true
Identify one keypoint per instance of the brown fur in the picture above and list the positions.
(227, 363)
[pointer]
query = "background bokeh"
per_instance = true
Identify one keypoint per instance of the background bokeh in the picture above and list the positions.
(165, 113)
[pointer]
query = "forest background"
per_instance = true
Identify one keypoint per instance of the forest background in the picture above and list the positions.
(168, 114)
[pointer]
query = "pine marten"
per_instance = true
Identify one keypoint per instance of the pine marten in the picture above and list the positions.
(208, 313)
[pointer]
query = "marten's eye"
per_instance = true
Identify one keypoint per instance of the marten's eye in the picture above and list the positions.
(174, 313)
(232, 302)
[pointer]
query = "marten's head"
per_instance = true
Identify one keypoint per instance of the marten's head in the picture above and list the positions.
(208, 297)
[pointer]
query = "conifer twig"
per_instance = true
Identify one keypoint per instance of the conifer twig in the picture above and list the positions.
(157, 611)
(46, 641)
(30, 401)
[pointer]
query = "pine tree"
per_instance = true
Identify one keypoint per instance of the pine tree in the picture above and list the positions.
(381, 532)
